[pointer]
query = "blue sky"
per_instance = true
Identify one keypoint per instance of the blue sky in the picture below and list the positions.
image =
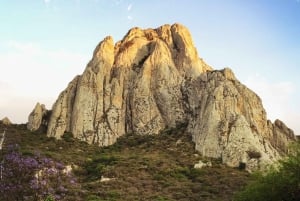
(45, 43)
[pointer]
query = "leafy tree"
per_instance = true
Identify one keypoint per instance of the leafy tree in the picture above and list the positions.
(281, 183)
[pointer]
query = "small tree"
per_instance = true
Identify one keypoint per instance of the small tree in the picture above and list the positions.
(278, 184)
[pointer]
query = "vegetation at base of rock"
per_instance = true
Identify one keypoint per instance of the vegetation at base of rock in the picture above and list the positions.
(280, 183)
(32, 178)
(153, 79)
(147, 167)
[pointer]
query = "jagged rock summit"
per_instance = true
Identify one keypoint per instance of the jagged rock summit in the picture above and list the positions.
(38, 117)
(132, 86)
(6, 121)
(153, 79)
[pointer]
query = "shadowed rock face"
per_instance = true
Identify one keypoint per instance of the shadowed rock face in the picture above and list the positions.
(153, 79)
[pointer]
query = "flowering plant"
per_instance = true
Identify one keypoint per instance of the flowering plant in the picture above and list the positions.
(33, 177)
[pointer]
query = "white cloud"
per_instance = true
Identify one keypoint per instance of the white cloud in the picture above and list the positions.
(4, 86)
(5, 91)
(17, 108)
(33, 73)
(129, 7)
(47, 1)
(27, 47)
(129, 17)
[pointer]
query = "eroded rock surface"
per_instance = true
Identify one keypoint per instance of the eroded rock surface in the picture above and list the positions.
(38, 117)
(131, 86)
(6, 121)
(153, 79)
(227, 121)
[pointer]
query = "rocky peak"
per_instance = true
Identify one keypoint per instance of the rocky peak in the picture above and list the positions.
(178, 42)
(6, 121)
(153, 79)
(101, 50)
(135, 32)
(38, 117)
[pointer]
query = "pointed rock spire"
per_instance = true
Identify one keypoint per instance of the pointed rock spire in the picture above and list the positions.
(35, 118)
(154, 79)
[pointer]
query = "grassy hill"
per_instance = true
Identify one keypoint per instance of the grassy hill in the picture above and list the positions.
(158, 167)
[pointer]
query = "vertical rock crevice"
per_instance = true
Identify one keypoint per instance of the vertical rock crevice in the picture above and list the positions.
(153, 79)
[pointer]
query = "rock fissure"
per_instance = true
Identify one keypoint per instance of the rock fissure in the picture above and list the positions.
(151, 80)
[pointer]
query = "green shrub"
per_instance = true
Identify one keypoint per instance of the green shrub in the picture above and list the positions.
(96, 166)
(68, 137)
(160, 198)
(94, 198)
(278, 184)
(49, 198)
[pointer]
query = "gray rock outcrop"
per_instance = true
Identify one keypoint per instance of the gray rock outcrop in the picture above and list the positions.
(202, 164)
(37, 117)
(6, 121)
(228, 121)
(153, 79)
(131, 86)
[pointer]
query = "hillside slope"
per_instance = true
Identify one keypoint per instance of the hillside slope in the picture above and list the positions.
(151, 167)
(153, 79)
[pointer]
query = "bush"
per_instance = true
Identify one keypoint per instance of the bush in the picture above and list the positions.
(93, 198)
(281, 183)
(96, 166)
(68, 137)
(32, 177)
(160, 198)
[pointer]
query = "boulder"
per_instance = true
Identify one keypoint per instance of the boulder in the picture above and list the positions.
(202, 164)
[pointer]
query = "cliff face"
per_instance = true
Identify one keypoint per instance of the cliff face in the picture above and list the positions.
(133, 86)
(227, 121)
(38, 118)
(154, 79)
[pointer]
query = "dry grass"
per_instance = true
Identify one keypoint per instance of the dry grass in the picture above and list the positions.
(156, 167)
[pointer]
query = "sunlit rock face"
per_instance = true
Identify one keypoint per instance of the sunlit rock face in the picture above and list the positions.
(37, 118)
(227, 121)
(131, 86)
(153, 79)
(6, 121)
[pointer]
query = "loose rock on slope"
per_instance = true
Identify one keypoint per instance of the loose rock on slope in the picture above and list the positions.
(153, 79)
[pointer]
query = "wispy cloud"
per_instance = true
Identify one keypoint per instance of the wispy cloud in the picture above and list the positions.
(129, 7)
(47, 1)
(29, 48)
